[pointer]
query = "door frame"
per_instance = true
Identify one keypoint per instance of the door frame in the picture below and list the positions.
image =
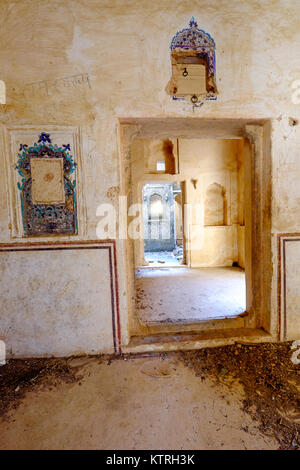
(257, 133)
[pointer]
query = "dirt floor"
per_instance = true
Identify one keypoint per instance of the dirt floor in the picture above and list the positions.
(189, 295)
(234, 397)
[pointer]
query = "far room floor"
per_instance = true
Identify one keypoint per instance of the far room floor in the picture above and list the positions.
(189, 295)
(167, 258)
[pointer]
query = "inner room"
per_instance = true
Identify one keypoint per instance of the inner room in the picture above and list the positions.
(162, 224)
(190, 255)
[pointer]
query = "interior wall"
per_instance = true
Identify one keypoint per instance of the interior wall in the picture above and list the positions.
(213, 182)
(34, 325)
(120, 55)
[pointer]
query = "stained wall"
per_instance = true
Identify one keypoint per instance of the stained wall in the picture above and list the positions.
(124, 49)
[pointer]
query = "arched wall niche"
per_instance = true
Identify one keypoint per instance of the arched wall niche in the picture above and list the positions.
(215, 205)
(193, 65)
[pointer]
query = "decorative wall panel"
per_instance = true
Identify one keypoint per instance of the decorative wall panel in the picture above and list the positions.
(47, 181)
(42, 181)
(47, 190)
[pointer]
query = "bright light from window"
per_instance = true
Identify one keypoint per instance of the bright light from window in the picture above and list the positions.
(156, 209)
(160, 165)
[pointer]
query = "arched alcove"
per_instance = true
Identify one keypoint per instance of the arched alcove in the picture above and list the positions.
(215, 205)
(193, 65)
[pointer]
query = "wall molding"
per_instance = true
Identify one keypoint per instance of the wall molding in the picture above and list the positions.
(282, 240)
(109, 245)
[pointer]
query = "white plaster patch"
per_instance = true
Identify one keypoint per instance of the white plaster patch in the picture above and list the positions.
(80, 44)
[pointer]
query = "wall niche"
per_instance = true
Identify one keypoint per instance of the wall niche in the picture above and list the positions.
(193, 65)
(215, 206)
(161, 156)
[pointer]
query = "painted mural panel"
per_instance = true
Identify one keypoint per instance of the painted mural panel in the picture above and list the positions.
(47, 181)
(47, 187)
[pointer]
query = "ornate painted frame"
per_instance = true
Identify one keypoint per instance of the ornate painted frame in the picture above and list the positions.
(193, 41)
(41, 219)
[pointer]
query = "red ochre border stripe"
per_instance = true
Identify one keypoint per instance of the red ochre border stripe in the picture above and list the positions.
(84, 244)
(282, 239)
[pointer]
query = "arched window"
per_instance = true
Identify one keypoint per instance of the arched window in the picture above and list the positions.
(155, 207)
(2, 92)
(215, 205)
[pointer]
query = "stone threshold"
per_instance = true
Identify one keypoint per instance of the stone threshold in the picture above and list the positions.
(195, 326)
(204, 339)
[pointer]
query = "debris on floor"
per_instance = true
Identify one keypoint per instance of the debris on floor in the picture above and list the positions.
(270, 380)
(19, 376)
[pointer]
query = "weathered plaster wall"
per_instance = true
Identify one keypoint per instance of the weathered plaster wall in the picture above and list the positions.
(124, 49)
(52, 312)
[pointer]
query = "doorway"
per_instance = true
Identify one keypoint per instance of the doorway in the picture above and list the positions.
(162, 223)
(212, 285)
(207, 220)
